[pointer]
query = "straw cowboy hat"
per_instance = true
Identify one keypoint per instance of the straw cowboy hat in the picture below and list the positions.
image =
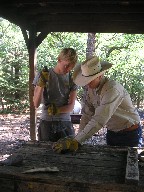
(89, 70)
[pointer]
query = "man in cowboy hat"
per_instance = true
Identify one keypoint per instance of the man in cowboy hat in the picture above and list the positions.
(108, 104)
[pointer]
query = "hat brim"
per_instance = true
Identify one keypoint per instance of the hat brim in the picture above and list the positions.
(81, 80)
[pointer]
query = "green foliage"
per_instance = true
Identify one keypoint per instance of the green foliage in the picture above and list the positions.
(13, 67)
(126, 53)
(50, 48)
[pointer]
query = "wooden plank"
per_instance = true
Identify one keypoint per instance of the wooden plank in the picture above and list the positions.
(90, 169)
(132, 169)
(7, 185)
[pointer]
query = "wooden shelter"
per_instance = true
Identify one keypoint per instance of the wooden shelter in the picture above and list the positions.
(37, 18)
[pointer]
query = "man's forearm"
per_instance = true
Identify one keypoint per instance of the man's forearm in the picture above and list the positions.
(37, 96)
(70, 106)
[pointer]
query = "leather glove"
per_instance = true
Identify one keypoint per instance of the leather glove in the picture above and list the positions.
(43, 78)
(52, 109)
(65, 145)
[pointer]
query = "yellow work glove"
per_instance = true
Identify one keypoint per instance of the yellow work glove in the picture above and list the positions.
(44, 76)
(52, 109)
(65, 145)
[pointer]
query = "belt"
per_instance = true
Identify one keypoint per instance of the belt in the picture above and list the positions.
(133, 127)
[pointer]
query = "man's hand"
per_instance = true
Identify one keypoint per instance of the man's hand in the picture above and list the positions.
(52, 109)
(44, 76)
(65, 145)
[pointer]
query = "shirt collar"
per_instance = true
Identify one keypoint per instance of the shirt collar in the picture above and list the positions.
(102, 82)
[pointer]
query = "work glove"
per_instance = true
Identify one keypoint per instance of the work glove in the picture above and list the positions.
(43, 78)
(65, 145)
(53, 109)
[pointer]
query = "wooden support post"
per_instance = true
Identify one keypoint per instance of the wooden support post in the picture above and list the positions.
(32, 42)
(132, 169)
(32, 64)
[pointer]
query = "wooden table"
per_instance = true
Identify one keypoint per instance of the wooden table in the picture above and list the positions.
(90, 169)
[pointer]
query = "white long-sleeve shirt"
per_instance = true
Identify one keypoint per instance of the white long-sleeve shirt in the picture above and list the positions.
(109, 105)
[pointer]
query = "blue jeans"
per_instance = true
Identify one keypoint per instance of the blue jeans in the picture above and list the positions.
(125, 138)
(55, 130)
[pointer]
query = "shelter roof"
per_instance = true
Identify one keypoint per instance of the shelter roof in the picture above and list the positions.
(114, 16)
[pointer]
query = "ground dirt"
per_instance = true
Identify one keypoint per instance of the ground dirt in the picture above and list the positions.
(14, 132)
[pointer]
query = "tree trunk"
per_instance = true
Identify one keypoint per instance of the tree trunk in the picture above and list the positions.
(17, 91)
(90, 50)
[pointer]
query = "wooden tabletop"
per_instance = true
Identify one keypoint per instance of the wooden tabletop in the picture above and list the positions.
(90, 168)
